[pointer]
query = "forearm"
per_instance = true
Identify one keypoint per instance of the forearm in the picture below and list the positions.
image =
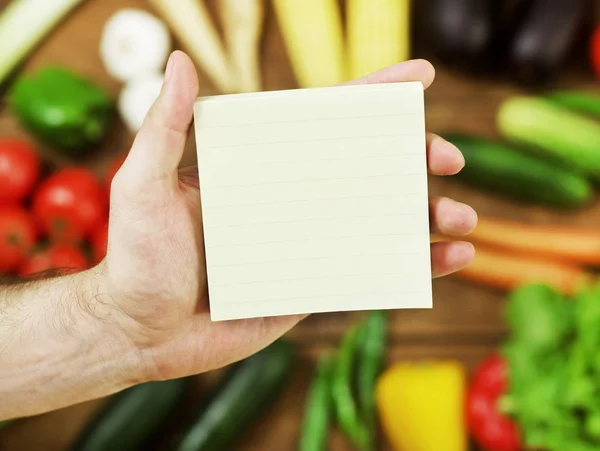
(58, 345)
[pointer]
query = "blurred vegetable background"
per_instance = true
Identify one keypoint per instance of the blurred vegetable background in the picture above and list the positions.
(507, 358)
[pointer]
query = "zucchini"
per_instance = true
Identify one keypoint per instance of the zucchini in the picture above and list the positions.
(553, 131)
(250, 387)
(132, 417)
(578, 101)
(502, 169)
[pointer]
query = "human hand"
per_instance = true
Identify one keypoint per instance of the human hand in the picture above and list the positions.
(153, 279)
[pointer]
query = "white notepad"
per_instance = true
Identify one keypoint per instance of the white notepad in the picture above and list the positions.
(314, 200)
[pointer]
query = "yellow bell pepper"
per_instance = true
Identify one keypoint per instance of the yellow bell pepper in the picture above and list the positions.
(421, 406)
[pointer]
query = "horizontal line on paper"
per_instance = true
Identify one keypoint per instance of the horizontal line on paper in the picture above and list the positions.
(395, 154)
(299, 298)
(337, 138)
(258, 262)
(391, 174)
(328, 276)
(301, 201)
(316, 218)
(312, 119)
(328, 237)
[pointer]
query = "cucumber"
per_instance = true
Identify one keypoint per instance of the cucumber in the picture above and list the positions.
(553, 131)
(505, 170)
(132, 417)
(251, 386)
(578, 101)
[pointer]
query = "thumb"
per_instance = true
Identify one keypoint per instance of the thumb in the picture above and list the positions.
(159, 144)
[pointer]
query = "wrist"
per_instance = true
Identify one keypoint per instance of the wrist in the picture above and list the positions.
(62, 345)
(107, 329)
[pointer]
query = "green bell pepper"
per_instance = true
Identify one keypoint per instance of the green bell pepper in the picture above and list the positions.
(62, 108)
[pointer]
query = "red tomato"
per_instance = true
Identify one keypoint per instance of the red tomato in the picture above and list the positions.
(113, 168)
(70, 204)
(64, 257)
(99, 242)
(17, 237)
(488, 425)
(19, 170)
(595, 51)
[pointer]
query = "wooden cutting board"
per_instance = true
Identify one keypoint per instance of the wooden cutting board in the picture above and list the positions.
(466, 321)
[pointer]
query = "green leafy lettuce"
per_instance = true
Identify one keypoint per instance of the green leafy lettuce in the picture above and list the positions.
(554, 359)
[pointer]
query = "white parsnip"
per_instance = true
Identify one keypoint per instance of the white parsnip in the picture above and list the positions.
(192, 24)
(243, 22)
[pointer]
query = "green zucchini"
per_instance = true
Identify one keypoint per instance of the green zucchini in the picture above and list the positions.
(553, 131)
(583, 102)
(504, 170)
(132, 417)
(250, 387)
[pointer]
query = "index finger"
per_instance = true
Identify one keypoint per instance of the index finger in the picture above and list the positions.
(412, 70)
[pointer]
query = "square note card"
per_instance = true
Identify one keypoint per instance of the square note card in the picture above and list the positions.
(314, 200)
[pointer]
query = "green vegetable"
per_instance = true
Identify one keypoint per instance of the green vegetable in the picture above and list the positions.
(252, 385)
(23, 24)
(317, 412)
(131, 418)
(555, 132)
(554, 368)
(553, 318)
(345, 405)
(518, 175)
(62, 109)
(371, 358)
(578, 101)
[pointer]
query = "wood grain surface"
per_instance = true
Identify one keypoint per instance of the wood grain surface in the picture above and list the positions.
(466, 321)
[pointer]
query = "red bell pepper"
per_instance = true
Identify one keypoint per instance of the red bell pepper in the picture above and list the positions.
(595, 51)
(488, 425)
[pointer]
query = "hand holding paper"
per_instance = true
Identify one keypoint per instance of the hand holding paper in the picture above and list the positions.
(363, 195)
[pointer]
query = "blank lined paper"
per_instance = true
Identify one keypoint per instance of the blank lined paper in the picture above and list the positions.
(314, 200)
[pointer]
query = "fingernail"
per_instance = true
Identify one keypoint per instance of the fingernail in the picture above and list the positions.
(169, 70)
(460, 158)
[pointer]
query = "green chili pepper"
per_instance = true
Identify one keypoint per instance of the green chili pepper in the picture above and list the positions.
(371, 359)
(317, 412)
(62, 109)
(342, 390)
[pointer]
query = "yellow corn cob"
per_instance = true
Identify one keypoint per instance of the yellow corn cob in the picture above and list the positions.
(378, 34)
(313, 35)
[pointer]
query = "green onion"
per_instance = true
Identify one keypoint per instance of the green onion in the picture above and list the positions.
(23, 24)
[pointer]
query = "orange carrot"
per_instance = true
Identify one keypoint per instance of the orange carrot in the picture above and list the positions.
(508, 271)
(568, 243)
(435, 238)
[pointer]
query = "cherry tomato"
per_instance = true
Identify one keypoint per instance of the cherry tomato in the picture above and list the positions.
(19, 170)
(70, 204)
(111, 171)
(99, 242)
(595, 51)
(17, 237)
(66, 258)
